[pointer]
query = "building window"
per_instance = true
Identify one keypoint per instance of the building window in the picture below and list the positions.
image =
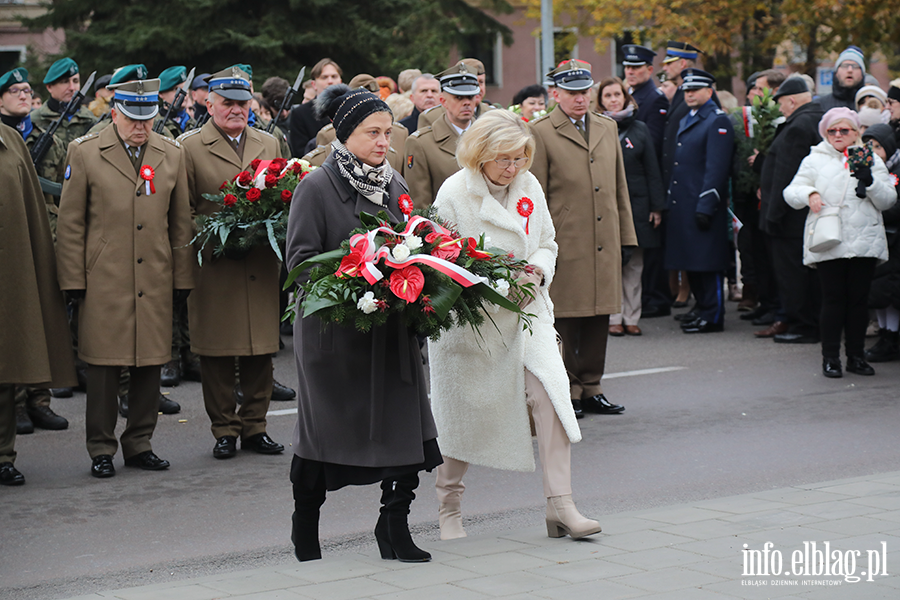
(489, 50)
(565, 46)
(631, 36)
(11, 57)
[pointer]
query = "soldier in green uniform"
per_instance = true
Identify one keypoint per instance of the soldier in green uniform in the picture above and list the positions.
(63, 82)
(170, 81)
(33, 403)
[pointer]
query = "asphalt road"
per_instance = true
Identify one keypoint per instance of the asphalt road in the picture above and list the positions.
(723, 414)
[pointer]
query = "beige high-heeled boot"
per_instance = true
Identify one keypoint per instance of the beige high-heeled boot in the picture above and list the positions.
(450, 518)
(563, 518)
(449, 488)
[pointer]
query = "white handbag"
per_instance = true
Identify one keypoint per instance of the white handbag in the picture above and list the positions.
(826, 230)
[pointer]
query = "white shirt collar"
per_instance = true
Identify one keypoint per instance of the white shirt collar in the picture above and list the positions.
(458, 130)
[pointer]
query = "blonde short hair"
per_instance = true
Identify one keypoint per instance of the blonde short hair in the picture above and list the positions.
(496, 132)
(400, 105)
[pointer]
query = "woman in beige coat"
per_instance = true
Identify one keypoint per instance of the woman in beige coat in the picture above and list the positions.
(483, 386)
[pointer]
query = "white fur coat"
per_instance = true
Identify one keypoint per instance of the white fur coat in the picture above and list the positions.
(478, 385)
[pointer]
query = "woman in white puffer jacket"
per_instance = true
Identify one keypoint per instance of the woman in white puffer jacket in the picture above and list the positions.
(845, 270)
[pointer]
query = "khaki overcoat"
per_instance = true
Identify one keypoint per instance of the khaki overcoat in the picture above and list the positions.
(436, 112)
(125, 248)
(430, 159)
(234, 309)
(34, 333)
(588, 199)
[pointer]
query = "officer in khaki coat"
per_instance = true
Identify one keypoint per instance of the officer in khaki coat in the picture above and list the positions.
(234, 310)
(431, 151)
(124, 222)
(578, 160)
(434, 113)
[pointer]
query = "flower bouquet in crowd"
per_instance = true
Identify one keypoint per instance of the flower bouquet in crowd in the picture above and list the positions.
(760, 120)
(860, 162)
(517, 110)
(421, 269)
(255, 207)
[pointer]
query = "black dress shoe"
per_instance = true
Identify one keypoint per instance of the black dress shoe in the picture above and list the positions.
(858, 365)
(45, 418)
(756, 313)
(687, 317)
(766, 319)
(102, 466)
(147, 461)
(655, 311)
(704, 326)
(24, 425)
(795, 338)
(831, 367)
(576, 406)
(692, 323)
(9, 475)
(190, 367)
(168, 407)
(61, 392)
(226, 447)
(170, 375)
(680, 303)
(261, 443)
(282, 393)
(600, 405)
(123, 406)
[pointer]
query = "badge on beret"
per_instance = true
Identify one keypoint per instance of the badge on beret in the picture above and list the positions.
(409, 162)
(68, 171)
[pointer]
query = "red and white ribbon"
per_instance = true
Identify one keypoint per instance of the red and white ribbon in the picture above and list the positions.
(147, 174)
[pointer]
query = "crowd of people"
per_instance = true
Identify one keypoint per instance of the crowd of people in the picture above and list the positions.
(643, 196)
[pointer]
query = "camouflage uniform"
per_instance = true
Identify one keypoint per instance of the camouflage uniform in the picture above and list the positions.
(80, 123)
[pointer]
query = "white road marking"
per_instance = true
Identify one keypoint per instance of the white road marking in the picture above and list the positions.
(293, 411)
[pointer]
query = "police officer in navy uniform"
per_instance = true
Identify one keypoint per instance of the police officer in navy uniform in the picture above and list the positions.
(653, 106)
(697, 226)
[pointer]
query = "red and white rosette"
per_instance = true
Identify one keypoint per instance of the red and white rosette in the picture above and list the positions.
(525, 208)
(406, 205)
(147, 174)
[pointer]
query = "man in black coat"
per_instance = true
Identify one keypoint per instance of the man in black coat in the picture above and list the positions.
(849, 76)
(798, 285)
(304, 124)
(425, 94)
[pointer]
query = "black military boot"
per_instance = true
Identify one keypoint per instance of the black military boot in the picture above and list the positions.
(170, 375)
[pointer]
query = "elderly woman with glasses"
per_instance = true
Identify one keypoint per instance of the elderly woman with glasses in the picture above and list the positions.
(484, 384)
(825, 183)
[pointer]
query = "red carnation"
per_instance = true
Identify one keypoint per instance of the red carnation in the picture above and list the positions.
(253, 194)
(245, 178)
(254, 164)
(230, 200)
(271, 180)
(407, 283)
(286, 195)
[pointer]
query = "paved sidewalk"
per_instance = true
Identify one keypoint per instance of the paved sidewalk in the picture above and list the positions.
(685, 552)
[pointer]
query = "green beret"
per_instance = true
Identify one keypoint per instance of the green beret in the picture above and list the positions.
(13, 77)
(171, 77)
(245, 68)
(61, 69)
(128, 73)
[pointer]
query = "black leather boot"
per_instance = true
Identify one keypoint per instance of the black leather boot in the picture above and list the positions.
(392, 529)
(887, 347)
(305, 520)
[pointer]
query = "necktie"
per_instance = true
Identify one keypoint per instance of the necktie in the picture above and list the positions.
(579, 125)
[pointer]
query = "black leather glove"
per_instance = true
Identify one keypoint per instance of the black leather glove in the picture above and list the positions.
(703, 221)
(76, 295)
(232, 253)
(180, 296)
(627, 252)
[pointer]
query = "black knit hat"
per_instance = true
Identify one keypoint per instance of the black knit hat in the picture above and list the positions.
(884, 135)
(894, 93)
(348, 108)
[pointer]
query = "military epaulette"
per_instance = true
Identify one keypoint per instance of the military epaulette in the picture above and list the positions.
(188, 134)
(428, 110)
(84, 138)
(659, 91)
(314, 152)
(171, 141)
(263, 131)
(719, 111)
(599, 114)
(328, 127)
(538, 119)
(419, 132)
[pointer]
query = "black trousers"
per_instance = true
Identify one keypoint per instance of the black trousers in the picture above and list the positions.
(798, 286)
(845, 292)
(707, 289)
(655, 291)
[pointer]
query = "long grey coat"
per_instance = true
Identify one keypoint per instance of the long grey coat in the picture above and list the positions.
(362, 397)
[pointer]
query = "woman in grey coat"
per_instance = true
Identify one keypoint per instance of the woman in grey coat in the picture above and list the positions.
(363, 411)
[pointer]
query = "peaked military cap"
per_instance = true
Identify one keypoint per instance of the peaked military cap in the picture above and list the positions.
(246, 69)
(232, 83)
(459, 80)
(365, 81)
(171, 77)
(138, 99)
(13, 77)
(474, 65)
(635, 55)
(128, 73)
(61, 69)
(676, 50)
(200, 82)
(695, 79)
(572, 75)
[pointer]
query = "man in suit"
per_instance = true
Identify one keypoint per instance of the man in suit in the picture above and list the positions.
(697, 204)
(234, 309)
(124, 224)
(578, 160)
(425, 94)
(431, 151)
(304, 124)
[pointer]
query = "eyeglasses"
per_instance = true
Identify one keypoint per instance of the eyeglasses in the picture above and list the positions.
(842, 132)
(22, 90)
(504, 163)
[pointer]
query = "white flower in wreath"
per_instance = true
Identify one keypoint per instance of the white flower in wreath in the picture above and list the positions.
(413, 242)
(400, 252)
(501, 286)
(367, 303)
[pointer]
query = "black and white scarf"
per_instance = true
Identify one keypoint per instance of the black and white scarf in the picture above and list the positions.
(371, 182)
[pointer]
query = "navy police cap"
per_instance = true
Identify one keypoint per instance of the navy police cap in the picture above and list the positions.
(635, 55)
(694, 79)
